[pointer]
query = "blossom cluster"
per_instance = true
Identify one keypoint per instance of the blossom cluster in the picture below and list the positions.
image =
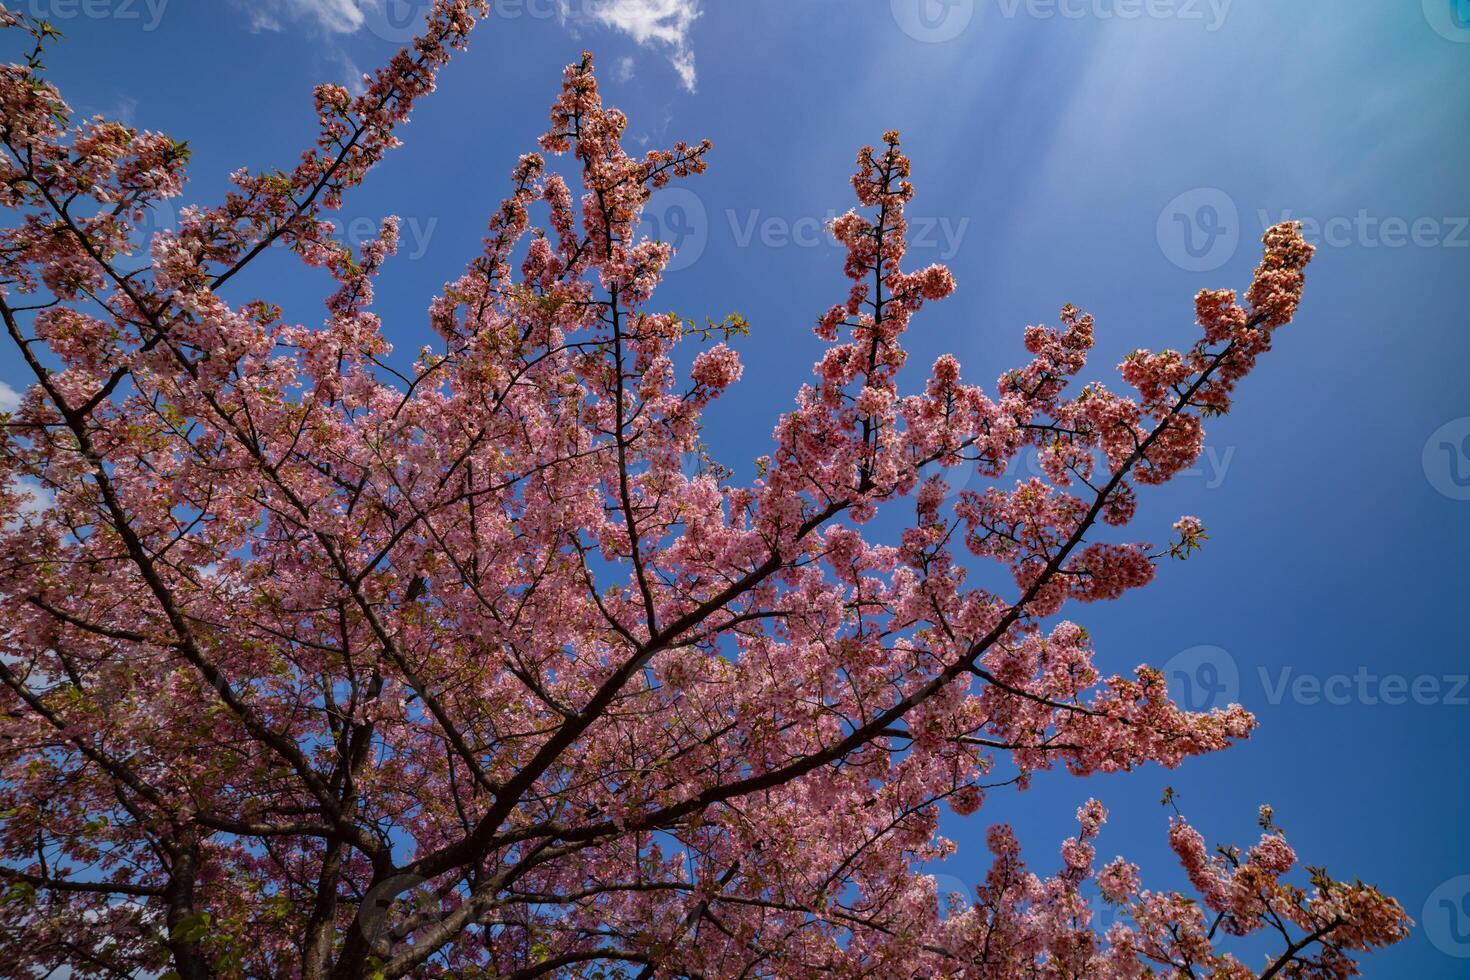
(320, 664)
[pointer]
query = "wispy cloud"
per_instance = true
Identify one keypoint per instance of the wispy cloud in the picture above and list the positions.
(335, 16)
(9, 398)
(663, 24)
(660, 24)
(353, 75)
(123, 110)
(34, 499)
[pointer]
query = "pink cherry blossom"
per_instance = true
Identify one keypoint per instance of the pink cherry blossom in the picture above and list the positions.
(320, 664)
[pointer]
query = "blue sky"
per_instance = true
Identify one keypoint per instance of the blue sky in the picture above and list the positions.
(1116, 154)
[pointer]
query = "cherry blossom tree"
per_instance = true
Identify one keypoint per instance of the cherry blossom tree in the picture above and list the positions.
(317, 667)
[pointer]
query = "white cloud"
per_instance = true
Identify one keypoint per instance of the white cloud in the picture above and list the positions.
(352, 75)
(661, 24)
(624, 69)
(37, 498)
(657, 23)
(34, 499)
(123, 109)
(9, 398)
(336, 16)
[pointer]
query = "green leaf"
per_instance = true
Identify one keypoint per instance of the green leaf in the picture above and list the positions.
(192, 928)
